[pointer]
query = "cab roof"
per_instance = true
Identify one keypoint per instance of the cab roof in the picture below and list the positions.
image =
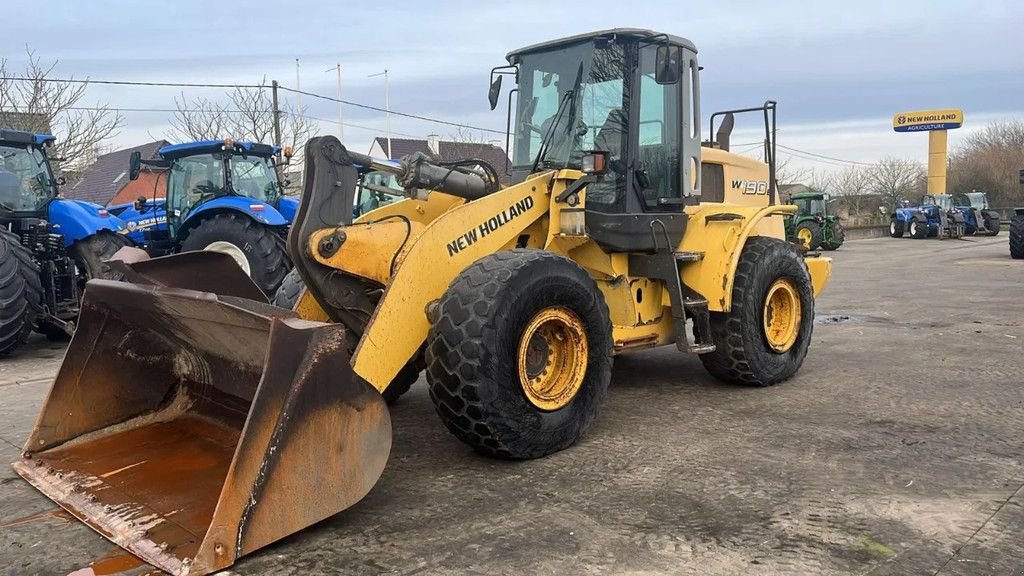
(172, 151)
(9, 136)
(513, 56)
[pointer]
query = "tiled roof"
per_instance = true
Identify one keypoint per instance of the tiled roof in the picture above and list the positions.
(101, 181)
(449, 151)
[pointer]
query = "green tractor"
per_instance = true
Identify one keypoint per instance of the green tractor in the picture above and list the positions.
(812, 226)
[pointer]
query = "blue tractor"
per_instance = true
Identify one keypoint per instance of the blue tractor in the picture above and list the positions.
(218, 195)
(49, 246)
(978, 219)
(933, 217)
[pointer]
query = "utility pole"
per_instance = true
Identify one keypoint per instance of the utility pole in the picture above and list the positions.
(387, 108)
(341, 123)
(277, 114)
(298, 87)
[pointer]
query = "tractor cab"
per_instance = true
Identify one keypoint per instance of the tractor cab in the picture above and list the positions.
(27, 183)
(975, 200)
(810, 204)
(621, 105)
(200, 173)
(942, 201)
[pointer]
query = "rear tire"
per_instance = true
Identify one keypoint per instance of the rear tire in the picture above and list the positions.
(263, 249)
(1017, 237)
(744, 354)
(21, 292)
(838, 236)
(896, 228)
(288, 294)
(484, 338)
(808, 230)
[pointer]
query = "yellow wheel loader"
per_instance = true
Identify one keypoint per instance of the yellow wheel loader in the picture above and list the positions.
(193, 423)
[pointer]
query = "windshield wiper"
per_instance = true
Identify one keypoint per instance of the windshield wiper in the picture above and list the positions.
(569, 96)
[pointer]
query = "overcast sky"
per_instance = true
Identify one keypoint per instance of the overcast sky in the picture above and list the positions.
(839, 72)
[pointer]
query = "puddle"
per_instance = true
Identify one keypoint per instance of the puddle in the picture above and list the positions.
(58, 514)
(116, 561)
(841, 319)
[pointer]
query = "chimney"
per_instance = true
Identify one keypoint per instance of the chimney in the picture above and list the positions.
(434, 144)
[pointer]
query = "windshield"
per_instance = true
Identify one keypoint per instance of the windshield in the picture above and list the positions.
(372, 193)
(977, 200)
(199, 178)
(254, 177)
(592, 114)
(26, 184)
(944, 201)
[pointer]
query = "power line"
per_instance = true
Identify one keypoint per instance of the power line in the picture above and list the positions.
(379, 109)
(254, 86)
(132, 83)
(823, 157)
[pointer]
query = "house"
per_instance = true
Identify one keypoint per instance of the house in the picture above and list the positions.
(443, 151)
(106, 181)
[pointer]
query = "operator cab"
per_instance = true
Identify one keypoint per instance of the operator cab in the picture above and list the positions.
(27, 183)
(629, 94)
(812, 205)
(977, 200)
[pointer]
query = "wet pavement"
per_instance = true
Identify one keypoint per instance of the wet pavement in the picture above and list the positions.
(898, 449)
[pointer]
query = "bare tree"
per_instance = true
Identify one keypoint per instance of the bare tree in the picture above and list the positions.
(989, 161)
(786, 173)
(247, 114)
(896, 179)
(42, 104)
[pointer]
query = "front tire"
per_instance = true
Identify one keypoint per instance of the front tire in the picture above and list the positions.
(808, 233)
(92, 254)
(21, 292)
(1017, 237)
(918, 229)
(764, 338)
(520, 355)
(993, 222)
(257, 249)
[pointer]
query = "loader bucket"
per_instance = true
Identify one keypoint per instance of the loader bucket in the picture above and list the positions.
(191, 428)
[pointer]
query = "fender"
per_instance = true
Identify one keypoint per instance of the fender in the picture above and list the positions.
(445, 247)
(259, 211)
(287, 208)
(719, 232)
(77, 219)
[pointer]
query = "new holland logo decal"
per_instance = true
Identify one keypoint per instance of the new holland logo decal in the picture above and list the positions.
(490, 225)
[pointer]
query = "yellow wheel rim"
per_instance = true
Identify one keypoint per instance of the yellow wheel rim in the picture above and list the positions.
(782, 315)
(805, 236)
(552, 358)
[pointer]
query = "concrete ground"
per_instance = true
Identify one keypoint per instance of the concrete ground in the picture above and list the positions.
(898, 449)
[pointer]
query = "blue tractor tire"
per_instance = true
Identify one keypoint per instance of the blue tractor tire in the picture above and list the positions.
(918, 228)
(237, 234)
(21, 292)
(896, 228)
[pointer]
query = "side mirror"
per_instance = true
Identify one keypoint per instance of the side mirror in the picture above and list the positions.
(667, 64)
(62, 180)
(134, 165)
(494, 92)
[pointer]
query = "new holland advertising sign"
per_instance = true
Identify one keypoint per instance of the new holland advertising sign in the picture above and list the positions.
(928, 120)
